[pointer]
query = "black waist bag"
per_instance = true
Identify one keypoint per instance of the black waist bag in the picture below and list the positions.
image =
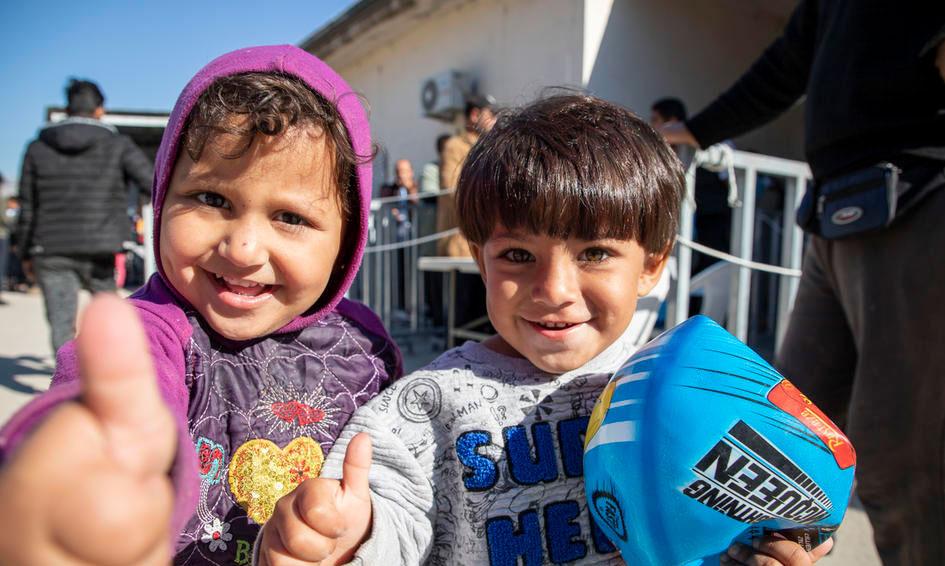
(856, 203)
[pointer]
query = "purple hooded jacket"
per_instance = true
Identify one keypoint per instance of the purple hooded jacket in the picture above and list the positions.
(256, 417)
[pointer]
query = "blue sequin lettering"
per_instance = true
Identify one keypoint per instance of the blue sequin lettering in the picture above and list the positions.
(506, 544)
(523, 468)
(561, 530)
(481, 472)
(571, 439)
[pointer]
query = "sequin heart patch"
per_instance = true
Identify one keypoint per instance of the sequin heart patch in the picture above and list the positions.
(261, 473)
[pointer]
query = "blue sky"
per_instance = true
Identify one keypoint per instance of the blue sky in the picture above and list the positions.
(141, 53)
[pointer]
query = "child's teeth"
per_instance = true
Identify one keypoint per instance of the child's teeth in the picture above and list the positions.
(241, 282)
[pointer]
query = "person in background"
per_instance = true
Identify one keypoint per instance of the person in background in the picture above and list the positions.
(479, 118)
(404, 187)
(16, 278)
(470, 296)
(865, 341)
(73, 198)
(713, 218)
(430, 176)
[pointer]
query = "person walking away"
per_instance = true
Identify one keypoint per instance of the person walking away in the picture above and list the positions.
(73, 198)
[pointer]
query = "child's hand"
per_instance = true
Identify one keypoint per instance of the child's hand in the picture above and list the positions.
(322, 521)
(91, 484)
(775, 551)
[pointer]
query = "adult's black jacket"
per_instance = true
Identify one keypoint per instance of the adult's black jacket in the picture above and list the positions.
(74, 189)
(867, 68)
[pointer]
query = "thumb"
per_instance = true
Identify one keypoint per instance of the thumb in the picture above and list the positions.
(820, 551)
(120, 388)
(357, 464)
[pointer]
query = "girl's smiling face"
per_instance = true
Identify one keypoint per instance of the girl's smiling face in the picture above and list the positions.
(251, 242)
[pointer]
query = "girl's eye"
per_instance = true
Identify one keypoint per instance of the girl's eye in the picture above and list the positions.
(518, 255)
(291, 219)
(212, 200)
(595, 255)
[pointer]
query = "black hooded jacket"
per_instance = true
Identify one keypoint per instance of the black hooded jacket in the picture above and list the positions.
(74, 189)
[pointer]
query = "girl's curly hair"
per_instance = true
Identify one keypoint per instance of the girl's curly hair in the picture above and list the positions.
(251, 104)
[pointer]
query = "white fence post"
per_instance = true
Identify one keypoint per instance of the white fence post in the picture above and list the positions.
(745, 216)
(792, 244)
(680, 306)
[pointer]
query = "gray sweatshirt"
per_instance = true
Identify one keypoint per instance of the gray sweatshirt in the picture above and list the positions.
(478, 459)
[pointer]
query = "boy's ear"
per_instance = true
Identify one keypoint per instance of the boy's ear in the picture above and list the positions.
(476, 251)
(653, 266)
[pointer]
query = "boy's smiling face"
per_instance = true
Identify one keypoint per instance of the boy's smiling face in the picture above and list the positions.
(251, 242)
(559, 303)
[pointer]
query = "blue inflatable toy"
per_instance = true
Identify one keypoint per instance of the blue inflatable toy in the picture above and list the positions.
(697, 442)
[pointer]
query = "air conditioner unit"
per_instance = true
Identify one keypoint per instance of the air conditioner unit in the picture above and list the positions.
(443, 95)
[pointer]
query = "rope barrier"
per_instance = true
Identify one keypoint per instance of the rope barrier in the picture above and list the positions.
(719, 157)
(410, 243)
(777, 270)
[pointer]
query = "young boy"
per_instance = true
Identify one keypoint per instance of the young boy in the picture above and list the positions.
(570, 206)
(249, 362)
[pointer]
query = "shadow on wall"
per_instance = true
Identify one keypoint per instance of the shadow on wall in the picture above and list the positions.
(11, 368)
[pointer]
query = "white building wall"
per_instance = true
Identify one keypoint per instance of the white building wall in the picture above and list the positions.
(637, 51)
(629, 51)
(513, 47)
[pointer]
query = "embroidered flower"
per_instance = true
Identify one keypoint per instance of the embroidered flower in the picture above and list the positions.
(216, 534)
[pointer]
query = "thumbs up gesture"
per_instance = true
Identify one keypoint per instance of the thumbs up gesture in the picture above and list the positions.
(91, 484)
(323, 521)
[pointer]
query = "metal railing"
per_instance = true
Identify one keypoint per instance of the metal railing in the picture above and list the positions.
(746, 168)
(403, 229)
(400, 230)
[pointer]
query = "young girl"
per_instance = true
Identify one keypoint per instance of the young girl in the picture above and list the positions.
(261, 199)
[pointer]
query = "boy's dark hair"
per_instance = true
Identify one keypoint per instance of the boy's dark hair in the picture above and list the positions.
(251, 104)
(572, 166)
(83, 97)
(671, 109)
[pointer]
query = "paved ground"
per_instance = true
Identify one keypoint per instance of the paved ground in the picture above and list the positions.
(26, 365)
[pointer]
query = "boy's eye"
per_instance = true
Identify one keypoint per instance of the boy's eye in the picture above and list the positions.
(595, 255)
(518, 255)
(211, 199)
(291, 219)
